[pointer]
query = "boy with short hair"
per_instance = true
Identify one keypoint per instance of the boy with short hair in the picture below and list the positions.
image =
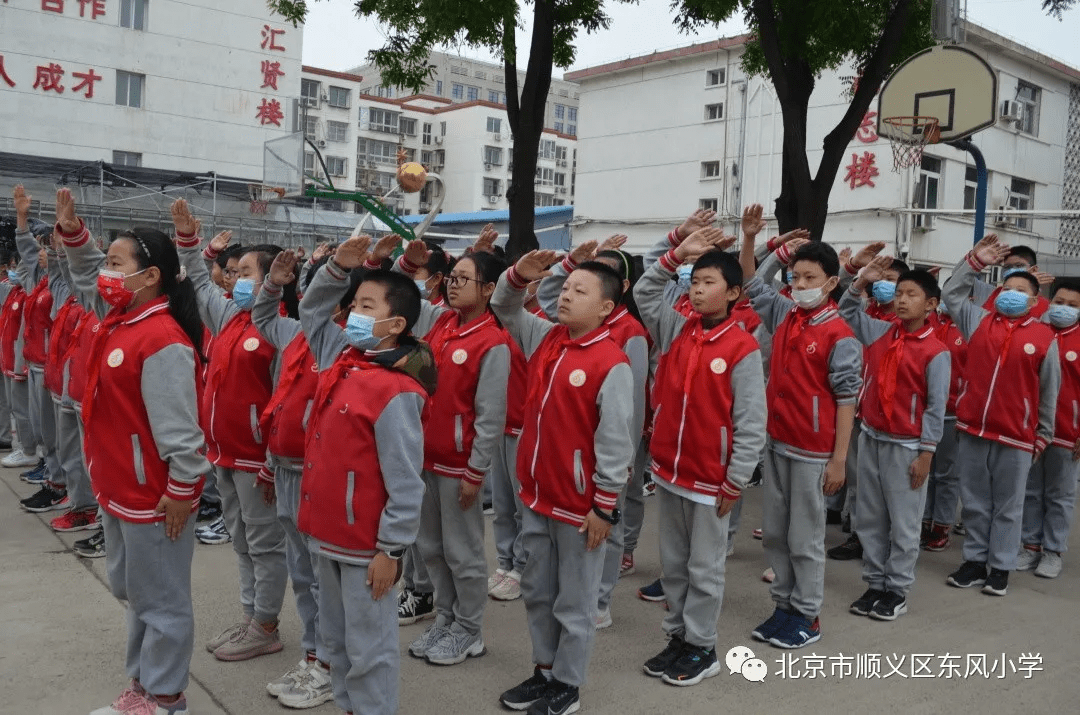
(814, 380)
(709, 384)
(361, 489)
(573, 460)
(1018, 259)
(905, 388)
(1051, 484)
(1005, 415)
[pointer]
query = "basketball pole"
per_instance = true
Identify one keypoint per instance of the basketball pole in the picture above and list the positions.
(980, 189)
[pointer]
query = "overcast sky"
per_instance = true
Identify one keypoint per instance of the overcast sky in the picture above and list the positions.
(335, 39)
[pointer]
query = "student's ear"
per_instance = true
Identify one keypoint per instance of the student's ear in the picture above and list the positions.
(487, 290)
(152, 277)
(831, 284)
(932, 304)
(396, 327)
(625, 285)
(606, 309)
(734, 293)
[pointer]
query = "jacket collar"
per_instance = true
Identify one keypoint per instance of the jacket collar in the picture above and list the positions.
(146, 310)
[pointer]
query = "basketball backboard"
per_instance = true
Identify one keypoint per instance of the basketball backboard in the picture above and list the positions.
(283, 164)
(947, 82)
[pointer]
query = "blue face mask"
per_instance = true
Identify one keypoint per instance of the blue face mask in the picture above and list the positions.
(1009, 271)
(684, 271)
(1012, 303)
(1062, 316)
(884, 291)
(13, 276)
(422, 286)
(790, 277)
(243, 293)
(359, 331)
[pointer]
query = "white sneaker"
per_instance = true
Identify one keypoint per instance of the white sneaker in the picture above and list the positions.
(509, 589)
(731, 547)
(495, 579)
(1027, 559)
(314, 690)
(603, 619)
(18, 459)
(295, 674)
(454, 646)
(1049, 565)
(768, 576)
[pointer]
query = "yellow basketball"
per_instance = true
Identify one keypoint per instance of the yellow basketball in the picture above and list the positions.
(411, 176)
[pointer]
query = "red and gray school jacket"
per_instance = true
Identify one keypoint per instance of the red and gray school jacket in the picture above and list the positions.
(12, 362)
(1067, 419)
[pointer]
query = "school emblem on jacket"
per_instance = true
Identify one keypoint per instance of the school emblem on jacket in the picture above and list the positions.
(14, 306)
(577, 378)
(959, 341)
(116, 358)
(718, 366)
(459, 357)
(1071, 356)
(1029, 349)
(811, 348)
(251, 344)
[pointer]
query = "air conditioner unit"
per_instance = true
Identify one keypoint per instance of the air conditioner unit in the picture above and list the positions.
(924, 222)
(325, 97)
(425, 206)
(439, 139)
(562, 163)
(1011, 111)
(562, 189)
(321, 143)
(1003, 217)
(487, 167)
(493, 199)
(496, 138)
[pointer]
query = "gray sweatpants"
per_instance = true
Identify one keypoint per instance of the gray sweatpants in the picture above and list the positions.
(943, 486)
(1050, 498)
(851, 475)
(153, 574)
(634, 505)
(5, 413)
(615, 546)
(992, 478)
(44, 419)
(19, 401)
(693, 556)
(415, 574)
(300, 560)
(361, 637)
(451, 541)
(794, 532)
(890, 514)
(560, 587)
(509, 552)
(70, 453)
(259, 542)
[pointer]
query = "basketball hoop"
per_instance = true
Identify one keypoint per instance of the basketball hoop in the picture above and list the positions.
(909, 136)
(261, 196)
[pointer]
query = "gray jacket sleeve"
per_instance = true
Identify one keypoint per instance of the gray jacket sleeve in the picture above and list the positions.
(748, 414)
(1049, 386)
(866, 329)
(769, 269)
(614, 441)
(661, 320)
(5, 290)
(547, 294)
(325, 338)
(637, 350)
(508, 304)
(981, 291)
(955, 292)
(399, 437)
(490, 407)
(168, 391)
(938, 374)
(58, 286)
(30, 273)
(84, 264)
(216, 309)
(428, 315)
(845, 371)
(305, 268)
(277, 330)
(770, 306)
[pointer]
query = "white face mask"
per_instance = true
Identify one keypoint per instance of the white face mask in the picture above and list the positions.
(809, 298)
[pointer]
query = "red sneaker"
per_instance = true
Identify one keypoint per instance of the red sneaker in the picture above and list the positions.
(626, 568)
(938, 540)
(76, 521)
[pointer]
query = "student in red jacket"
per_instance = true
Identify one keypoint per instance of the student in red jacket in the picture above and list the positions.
(1019, 259)
(707, 437)
(1051, 484)
(13, 366)
(1005, 415)
(239, 383)
(144, 446)
(570, 477)
(361, 491)
(905, 388)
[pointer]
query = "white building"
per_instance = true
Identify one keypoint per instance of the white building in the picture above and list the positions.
(664, 134)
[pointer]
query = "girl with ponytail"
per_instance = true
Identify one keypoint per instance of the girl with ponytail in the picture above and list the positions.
(143, 444)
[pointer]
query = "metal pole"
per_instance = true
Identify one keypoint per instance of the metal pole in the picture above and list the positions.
(980, 190)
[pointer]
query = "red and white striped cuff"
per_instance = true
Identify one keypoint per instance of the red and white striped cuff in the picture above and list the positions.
(605, 499)
(472, 476)
(336, 272)
(371, 265)
(973, 261)
(407, 267)
(76, 239)
(772, 244)
(265, 476)
(515, 280)
(729, 490)
(569, 264)
(783, 254)
(670, 261)
(180, 491)
(673, 238)
(1040, 445)
(184, 240)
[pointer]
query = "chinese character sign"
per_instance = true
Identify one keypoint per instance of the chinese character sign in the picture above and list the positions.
(269, 111)
(862, 170)
(867, 131)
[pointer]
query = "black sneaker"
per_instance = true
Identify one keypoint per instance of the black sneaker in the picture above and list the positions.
(559, 699)
(865, 603)
(997, 583)
(522, 696)
(414, 606)
(756, 477)
(208, 511)
(5, 446)
(658, 664)
(891, 606)
(694, 665)
(850, 549)
(46, 499)
(92, 548)
(833, 517)
(970, 573)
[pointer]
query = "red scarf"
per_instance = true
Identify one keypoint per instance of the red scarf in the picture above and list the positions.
(224, 346)
(890, 366)
(292, 358)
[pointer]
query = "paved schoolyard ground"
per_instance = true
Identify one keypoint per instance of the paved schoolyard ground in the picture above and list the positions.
(62, 639)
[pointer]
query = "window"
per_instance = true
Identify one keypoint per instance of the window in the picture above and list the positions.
(494, 125)
(309, 162)
(571, 129)
(560, 153)
(710, 170)
(543, 200)
(503, 98)
(129, 89)
(133, 14)
(407, 126)
(440, 158)
(493, 96)
(497, 78)
(337, 165)
(571, 114)
(339, 97)
(560, 111)
(491, 187)
(559, 127)
(309, 91)
(493, 155)
(715, 78)
(442, 129)
(126, 158)
(427, 134)
(971, 185)
(929, 181)
(366, 90)
(457, 91)
(311, 126)
(1029, 96)
(714, 112)
(709, 204)
(390, 92)
(375, 151)
(438, 87)
(337, 131)
(383, 120)
(426, 156)
(379, 91)
(459, 70)
(1022, 198)
(473, 93)
(547, 149)
(560, 179)
(545, 177)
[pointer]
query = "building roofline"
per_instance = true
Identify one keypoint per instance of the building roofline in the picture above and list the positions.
(330, 73)
(701, 48)
(1021, 51)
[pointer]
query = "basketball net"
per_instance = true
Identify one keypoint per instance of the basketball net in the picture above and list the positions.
(909, 137)
(261, 195)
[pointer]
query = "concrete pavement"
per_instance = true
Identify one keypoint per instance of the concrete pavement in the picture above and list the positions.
(62, 637)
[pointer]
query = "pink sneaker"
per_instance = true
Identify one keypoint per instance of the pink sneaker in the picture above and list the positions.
(251, 643)
(626, 567)
(130, 701)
